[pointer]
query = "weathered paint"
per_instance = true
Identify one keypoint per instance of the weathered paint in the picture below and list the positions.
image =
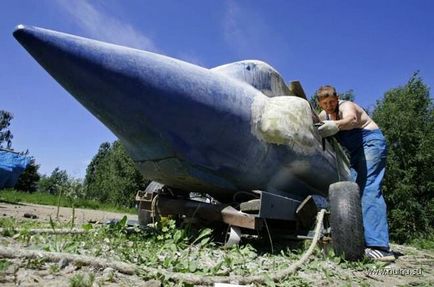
(285, 120)
(258, 74)
(192, 128)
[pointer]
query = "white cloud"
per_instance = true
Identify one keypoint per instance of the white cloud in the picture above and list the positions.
(244, 31)
(100, 25)
(232, 28)
(247, 32)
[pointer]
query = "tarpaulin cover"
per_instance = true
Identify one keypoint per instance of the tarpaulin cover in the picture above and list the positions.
(11, 166)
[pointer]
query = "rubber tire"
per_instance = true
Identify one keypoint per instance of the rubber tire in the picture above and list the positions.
(346, 221)
(144, 216)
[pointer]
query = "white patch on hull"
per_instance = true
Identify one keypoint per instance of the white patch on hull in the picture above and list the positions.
(285, 120)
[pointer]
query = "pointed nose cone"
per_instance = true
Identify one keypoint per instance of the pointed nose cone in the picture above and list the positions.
(99, 76)
(158, 106)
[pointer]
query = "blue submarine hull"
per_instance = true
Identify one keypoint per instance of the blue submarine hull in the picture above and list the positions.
(188, 127)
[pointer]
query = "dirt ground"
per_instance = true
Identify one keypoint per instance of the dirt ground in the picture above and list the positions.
(412, 268)
(43, 213)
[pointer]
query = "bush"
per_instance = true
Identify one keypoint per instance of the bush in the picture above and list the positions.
(54, 183)
(112, 177)
(406, 117)
(28, 180)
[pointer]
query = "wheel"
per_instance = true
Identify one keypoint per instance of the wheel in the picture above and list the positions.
(145, 216)
(346, 220)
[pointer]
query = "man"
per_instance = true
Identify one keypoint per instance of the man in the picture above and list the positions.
(365, 143)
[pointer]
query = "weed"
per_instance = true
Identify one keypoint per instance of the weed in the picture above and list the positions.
(4, 264)
(8, 225)
(184, 250)
(54, 268)
(424, 242)
(82, 280)
(25, 236)
(35, 263)
(13, 223)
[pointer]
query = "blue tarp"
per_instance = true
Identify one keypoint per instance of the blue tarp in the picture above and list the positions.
(12, 165)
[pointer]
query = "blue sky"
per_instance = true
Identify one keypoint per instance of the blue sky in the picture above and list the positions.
(368, 46)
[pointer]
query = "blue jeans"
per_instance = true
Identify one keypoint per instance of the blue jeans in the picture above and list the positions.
(368, 151)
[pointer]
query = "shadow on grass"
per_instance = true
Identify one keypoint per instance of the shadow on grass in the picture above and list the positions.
(280, 240)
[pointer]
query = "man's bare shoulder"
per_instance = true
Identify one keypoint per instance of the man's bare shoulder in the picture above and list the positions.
(347, 106)
(346, 103)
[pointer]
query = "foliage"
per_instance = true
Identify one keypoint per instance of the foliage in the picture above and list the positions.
(406, 117)
(5, 134)
(28, 180)
(4, 264)
(82, 280)
(164, 246)
(91, 170)
(169, 247)
(424, 242)
(347, 95)
(54, 183)
(112, 176)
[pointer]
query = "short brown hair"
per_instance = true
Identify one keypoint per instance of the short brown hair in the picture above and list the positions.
(325, 91)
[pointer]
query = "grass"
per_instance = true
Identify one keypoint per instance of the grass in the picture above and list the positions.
(4, 264)
(13, 196)
(424, 242)
(82, 280)
(183, 250)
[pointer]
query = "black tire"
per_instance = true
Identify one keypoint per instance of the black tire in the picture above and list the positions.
(144, 216)
(346, 221)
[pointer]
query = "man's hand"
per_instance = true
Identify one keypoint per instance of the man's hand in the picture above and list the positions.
(328, 129)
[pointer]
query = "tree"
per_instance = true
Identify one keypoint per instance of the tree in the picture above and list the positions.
(55, 182)
(5, 134)
(92, 168)
(347, 95)
(406, 117)
(29, 178)
(112, 176)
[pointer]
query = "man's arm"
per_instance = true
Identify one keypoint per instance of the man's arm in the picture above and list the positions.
(350, 118)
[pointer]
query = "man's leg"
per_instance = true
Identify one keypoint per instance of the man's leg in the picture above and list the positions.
(373, 204)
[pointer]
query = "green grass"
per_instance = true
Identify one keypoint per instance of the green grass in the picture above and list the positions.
(82, 280)
(164, 246)
(4, 264)
(424, 242)
(13, 196)
(184, 250)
